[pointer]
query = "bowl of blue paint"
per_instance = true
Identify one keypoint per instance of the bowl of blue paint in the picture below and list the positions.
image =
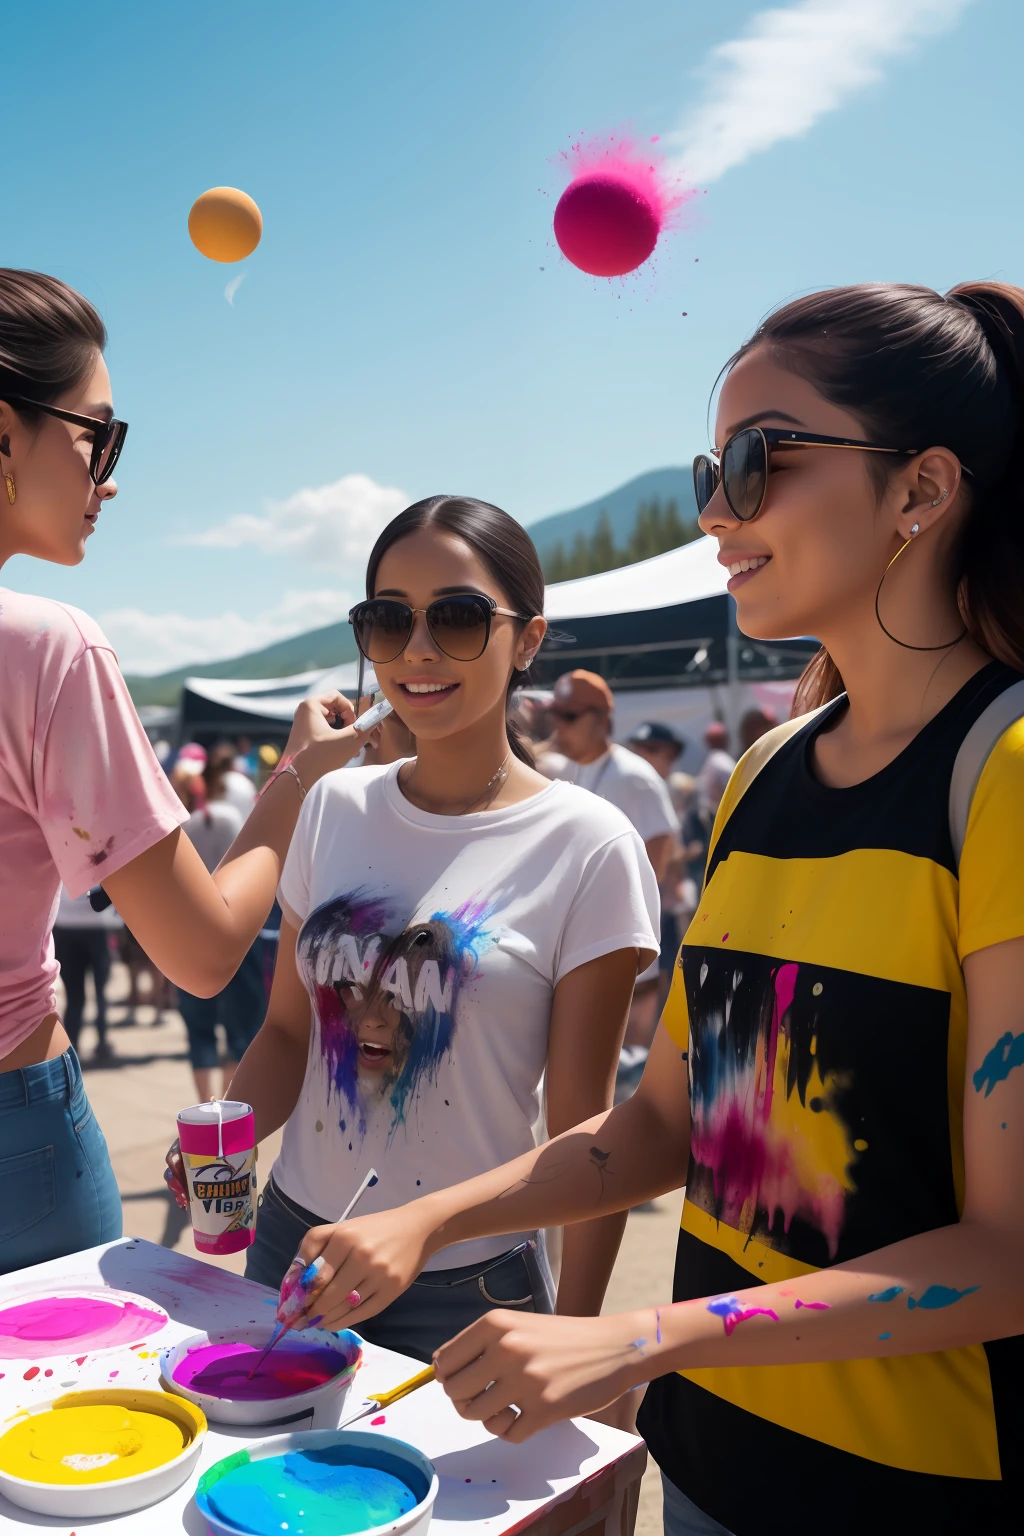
(309, 1371)
(321, 1482)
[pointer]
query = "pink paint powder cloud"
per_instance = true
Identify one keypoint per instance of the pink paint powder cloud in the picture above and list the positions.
(620, 199)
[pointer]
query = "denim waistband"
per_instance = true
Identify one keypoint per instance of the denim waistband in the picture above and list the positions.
(42, 1082)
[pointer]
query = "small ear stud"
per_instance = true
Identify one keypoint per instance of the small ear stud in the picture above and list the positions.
(935, 503)
(917, 527)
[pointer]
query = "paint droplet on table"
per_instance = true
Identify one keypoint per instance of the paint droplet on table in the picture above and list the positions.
(32, 1371)
(47, 1373)
(319, 1125)
(817, 989)
(113, 1374)
(724, 937)
(81, 1359)
(380, 1419)
(417, 1183)
(447, 1104)
(860, 1145)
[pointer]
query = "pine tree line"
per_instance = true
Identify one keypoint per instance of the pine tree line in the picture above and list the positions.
(656, 529)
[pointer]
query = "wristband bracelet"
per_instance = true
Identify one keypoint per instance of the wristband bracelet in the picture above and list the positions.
(286, 768)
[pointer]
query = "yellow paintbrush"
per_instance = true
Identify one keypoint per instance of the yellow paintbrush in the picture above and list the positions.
(379, 1400)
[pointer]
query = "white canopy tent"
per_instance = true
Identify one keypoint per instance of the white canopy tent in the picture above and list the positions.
(682, 575)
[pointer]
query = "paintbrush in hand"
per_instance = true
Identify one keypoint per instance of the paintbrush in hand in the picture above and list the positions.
(302, 1282)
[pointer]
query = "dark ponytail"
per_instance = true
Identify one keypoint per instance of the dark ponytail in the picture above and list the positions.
(917, 367)
(504, 547)
(49, 336)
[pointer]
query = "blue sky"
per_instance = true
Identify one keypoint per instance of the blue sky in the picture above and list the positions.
(395, 331)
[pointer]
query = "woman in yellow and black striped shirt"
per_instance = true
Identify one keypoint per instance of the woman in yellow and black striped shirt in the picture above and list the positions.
(839, 1076)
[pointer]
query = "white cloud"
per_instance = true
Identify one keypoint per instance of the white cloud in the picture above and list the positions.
(158, 642)
(790, 67)
(334, 525)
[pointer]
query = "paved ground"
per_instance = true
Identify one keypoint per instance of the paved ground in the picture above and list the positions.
(137, 1098)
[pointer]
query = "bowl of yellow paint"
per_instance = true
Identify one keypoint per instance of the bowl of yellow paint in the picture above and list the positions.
(99, 1453)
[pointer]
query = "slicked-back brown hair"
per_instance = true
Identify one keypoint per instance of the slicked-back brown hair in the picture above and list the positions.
(931, 370)
(49, 336)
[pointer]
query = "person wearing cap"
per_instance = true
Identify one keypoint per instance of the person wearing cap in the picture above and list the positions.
(584, 754)
(581, 713)
(658, 745)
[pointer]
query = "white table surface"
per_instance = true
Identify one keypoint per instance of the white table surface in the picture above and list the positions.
(487, 1486)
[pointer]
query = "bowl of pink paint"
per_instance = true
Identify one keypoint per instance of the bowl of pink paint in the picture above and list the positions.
(308, 1371)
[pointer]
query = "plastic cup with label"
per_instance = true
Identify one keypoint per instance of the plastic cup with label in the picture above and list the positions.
(218, 1152)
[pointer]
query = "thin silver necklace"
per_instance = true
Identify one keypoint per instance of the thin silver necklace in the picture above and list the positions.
(490, 789)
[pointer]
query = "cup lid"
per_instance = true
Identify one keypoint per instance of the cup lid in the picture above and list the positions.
(220, 1112)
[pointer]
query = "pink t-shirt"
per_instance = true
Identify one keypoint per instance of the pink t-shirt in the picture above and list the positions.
(81, 792)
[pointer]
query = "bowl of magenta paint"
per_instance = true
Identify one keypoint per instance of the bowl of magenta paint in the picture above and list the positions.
(321, 1482)
(309, 1370)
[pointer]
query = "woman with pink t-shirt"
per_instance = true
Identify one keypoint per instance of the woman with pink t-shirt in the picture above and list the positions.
(82, 797)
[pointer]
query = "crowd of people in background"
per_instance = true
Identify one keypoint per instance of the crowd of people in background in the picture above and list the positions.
(572, 738)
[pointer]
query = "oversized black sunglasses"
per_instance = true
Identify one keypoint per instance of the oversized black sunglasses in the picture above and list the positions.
(107, 436)
(746, 462)
(459, 625)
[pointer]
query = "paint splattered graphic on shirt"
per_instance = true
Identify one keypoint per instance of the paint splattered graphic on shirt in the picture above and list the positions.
(769, 1143)
(386, 996)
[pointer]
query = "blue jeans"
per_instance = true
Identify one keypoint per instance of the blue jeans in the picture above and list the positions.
(438, 1304)
(241, 1008)
(57, 1189)
(683, 1518)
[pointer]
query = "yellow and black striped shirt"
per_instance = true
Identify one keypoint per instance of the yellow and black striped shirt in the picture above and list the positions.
(819, 994)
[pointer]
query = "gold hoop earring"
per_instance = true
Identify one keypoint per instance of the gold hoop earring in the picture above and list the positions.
(12, 490)
(888, 632)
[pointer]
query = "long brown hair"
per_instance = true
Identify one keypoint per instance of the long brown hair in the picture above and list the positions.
(919, 367)
(503, 546)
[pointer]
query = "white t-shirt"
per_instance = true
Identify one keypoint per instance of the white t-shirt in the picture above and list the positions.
(625, 780)
(431, 947)
(213, 831)
(239, 791)
(77, 912)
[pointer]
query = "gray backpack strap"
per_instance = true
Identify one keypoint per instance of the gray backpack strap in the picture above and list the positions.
(974, 753)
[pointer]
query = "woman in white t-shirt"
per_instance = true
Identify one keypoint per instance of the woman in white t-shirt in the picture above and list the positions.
(462, 928)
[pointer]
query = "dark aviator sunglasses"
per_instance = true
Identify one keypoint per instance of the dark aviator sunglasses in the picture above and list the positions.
(460, 625)
(746, 462)
(107, 436)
